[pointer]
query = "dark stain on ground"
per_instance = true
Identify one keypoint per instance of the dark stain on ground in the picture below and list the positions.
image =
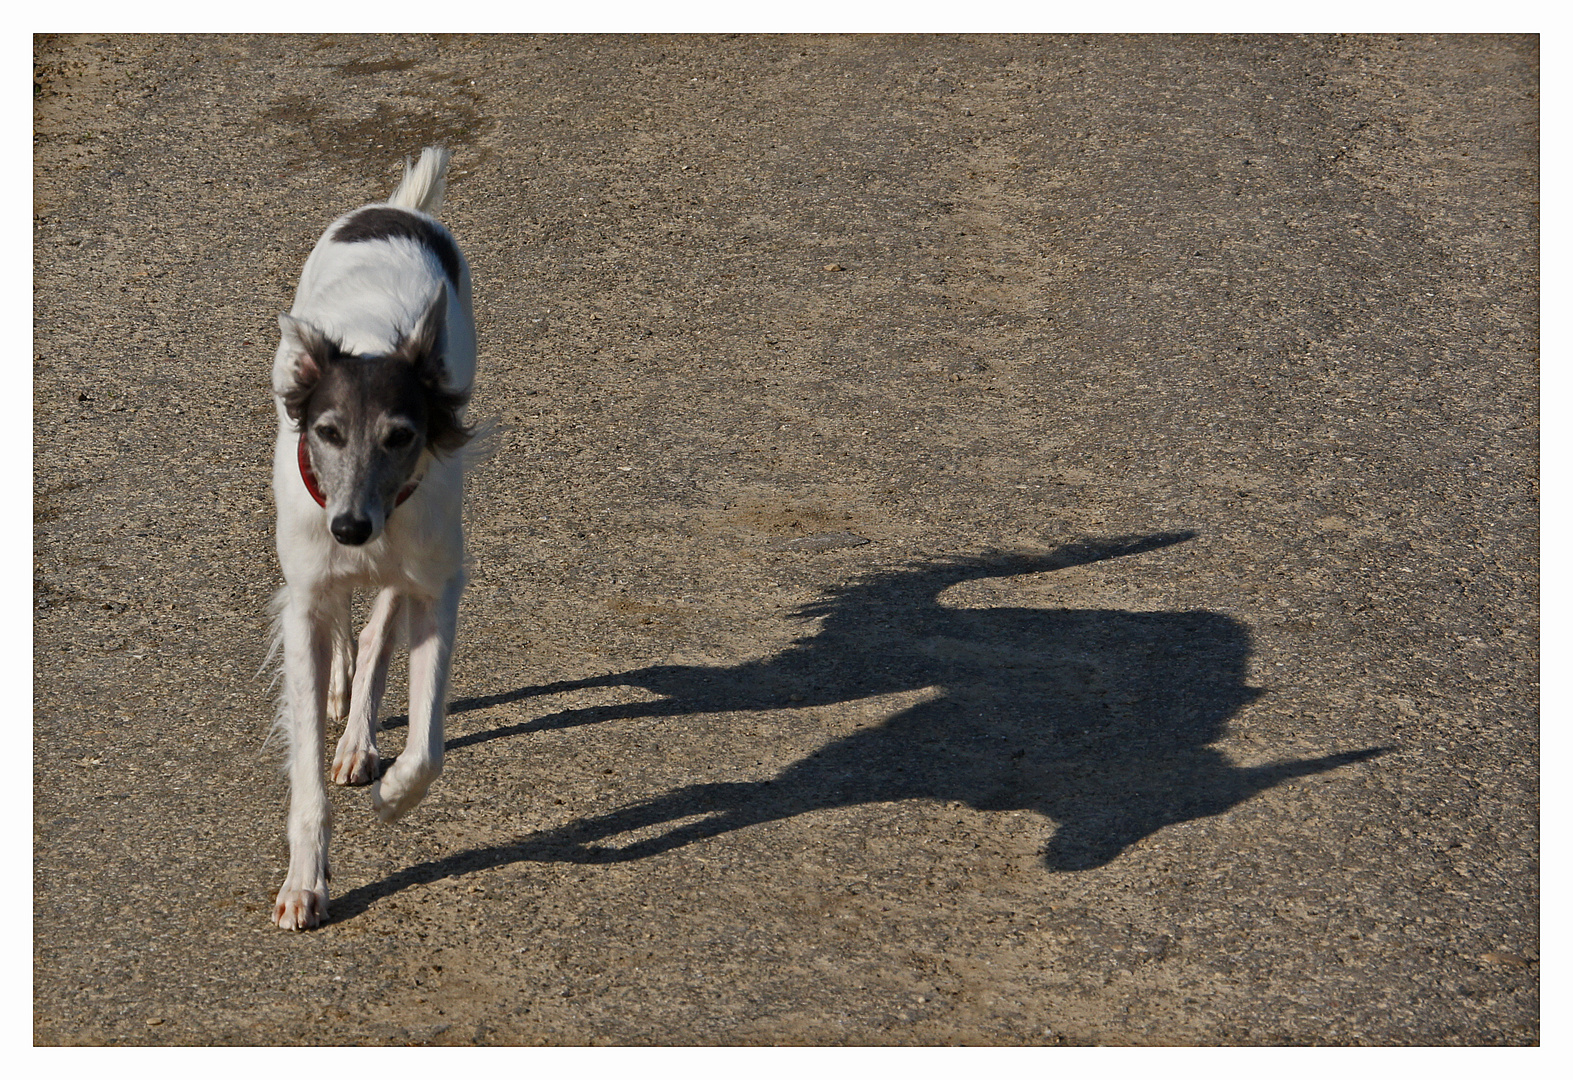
(449, 116)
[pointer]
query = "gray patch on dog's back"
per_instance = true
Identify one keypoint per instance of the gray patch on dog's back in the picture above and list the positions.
(389, 223)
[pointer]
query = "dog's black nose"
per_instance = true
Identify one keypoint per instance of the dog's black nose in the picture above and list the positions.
(348, 529)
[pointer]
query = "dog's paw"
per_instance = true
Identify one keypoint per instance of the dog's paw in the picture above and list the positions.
(400, 791)
(300, 909)
(356, 768)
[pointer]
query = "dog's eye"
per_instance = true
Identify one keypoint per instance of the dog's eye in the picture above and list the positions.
(399, 438)
(330, 435)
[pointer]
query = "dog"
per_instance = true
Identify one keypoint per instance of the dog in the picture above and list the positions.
(374, 369)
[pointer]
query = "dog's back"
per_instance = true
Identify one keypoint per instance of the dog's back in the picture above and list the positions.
(376, 268)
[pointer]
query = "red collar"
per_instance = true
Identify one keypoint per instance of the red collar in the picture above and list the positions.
(310, 477)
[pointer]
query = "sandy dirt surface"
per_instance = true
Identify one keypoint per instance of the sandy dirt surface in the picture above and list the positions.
(989, 540)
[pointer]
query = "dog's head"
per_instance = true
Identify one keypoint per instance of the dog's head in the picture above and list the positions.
(367, 420)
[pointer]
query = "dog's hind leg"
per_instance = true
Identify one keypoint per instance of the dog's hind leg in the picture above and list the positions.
(356, 762)
(432, 625)
(308, 645)
(343, 671)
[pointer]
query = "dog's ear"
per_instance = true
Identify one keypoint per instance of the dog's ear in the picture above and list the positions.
(422, 346)
(309, 351)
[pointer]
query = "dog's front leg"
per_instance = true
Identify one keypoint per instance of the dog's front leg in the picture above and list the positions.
(343, 669)
(308, 645)
(432, 625)
(356, 762)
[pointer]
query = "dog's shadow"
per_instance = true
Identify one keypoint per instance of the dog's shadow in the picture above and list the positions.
(1100, 721)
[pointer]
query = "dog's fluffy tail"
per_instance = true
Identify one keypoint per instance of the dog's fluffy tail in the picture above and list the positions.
(424, 182)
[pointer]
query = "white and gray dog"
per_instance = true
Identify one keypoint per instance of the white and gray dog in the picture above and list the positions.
(374, 369)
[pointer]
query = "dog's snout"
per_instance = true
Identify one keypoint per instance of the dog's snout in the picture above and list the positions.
(349, 529)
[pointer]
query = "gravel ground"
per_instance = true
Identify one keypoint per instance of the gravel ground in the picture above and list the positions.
(997, 540)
